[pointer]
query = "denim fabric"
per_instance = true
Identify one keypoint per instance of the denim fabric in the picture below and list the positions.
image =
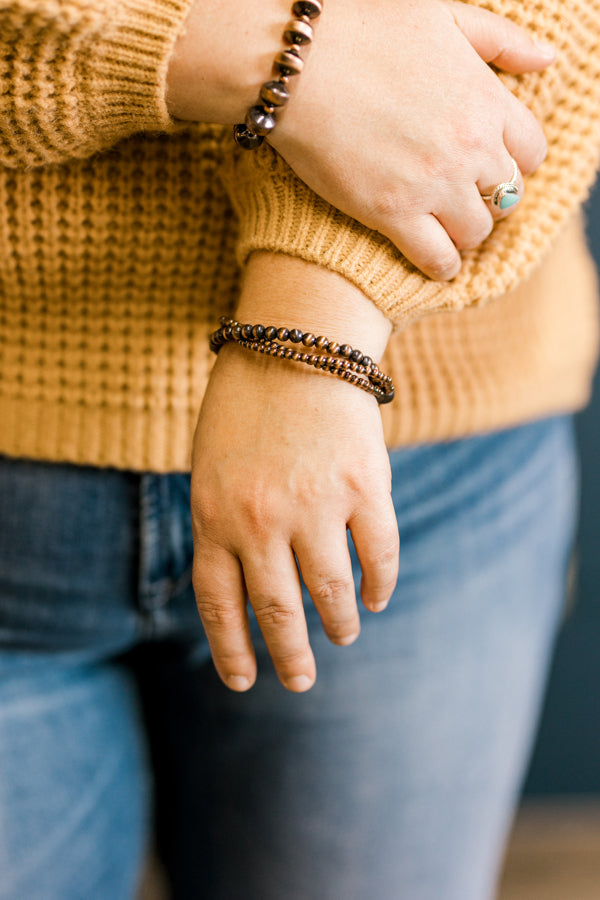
(395, 777)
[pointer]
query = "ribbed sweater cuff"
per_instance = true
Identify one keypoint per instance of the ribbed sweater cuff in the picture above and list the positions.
(278, 213)
(128, 66)
(78, 76)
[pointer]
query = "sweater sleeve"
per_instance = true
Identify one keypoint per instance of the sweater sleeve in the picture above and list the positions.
(77, 76)
(278, 213)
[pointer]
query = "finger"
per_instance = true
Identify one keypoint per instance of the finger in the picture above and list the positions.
(486, 188)
(499, 41)
(221, 600)
(326, 569)
(524, 137)
(273, 587)
(375, 534)
(469, 222)
(424, 241)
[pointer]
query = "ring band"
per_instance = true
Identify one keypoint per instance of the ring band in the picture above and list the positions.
(506, 194)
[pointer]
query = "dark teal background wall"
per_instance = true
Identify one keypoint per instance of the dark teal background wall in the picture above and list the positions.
(567, 754)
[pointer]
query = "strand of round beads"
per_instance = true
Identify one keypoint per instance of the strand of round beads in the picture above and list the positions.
(341, 360)
(261, 118)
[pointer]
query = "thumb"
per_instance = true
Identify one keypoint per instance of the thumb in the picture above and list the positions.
(499, 41)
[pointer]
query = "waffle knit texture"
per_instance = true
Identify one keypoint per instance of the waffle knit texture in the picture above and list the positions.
(123, 235)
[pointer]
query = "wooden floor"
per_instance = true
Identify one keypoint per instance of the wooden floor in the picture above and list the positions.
(554, 854)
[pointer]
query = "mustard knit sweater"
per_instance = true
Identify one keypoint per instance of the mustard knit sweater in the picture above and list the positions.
(120, 230)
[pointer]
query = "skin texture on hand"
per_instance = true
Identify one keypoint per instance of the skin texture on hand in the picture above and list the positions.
(397, 119)
(285, 460)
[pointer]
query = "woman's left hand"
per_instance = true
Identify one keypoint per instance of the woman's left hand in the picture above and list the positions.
(285, 460)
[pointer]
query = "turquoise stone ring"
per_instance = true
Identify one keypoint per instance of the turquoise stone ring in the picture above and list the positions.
(505, 194)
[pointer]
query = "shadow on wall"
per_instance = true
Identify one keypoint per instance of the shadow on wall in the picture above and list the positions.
(566, 759)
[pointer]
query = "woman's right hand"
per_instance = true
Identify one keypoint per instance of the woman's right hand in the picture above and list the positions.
(397, 119)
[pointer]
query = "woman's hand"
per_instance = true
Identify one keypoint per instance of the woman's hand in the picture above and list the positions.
(399, 122)
(397, 119)
(285, 460)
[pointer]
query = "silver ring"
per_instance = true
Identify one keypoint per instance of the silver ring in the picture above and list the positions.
(506, 194)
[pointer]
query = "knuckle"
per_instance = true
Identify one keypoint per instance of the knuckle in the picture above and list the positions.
(384, 559)
(332, 592)
(390, 206)
(534, 142)
(257, 508)
(442, 264)
(292, 661)
(275, 613)
(205, 512)
(215, 613)
(476, 235)
(384, 206)
(339, 631)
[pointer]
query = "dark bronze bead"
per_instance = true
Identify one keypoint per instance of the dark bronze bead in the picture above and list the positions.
(298, 32)
(356, 356)
(258, 332)
(367, 361)
(295, 336)
(283, 334)
(334, 347)
(312, 9)
(247, 332)
(346, 351)
(321, 342)
(236, 331)
(288, 62)
(260, 121)
(274, 93)
(246, 138)
(270, 333)
(308, 339)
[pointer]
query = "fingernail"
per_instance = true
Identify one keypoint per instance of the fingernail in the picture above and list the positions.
(299, 683)
(238, 682)
(379, 607)
(546, 49)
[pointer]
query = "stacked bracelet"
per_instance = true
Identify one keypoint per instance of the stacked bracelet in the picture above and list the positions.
(342, 360)
(261, 119)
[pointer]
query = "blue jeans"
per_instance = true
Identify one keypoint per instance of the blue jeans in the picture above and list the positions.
(395, 777)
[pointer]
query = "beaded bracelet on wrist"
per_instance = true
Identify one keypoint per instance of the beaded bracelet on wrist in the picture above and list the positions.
(341, 360)
(261, 118)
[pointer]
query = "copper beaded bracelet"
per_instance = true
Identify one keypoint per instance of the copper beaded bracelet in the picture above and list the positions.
(261, 118)
(339, 359)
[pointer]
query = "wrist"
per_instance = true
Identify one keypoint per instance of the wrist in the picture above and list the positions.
(221, 58)
(286, 291)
